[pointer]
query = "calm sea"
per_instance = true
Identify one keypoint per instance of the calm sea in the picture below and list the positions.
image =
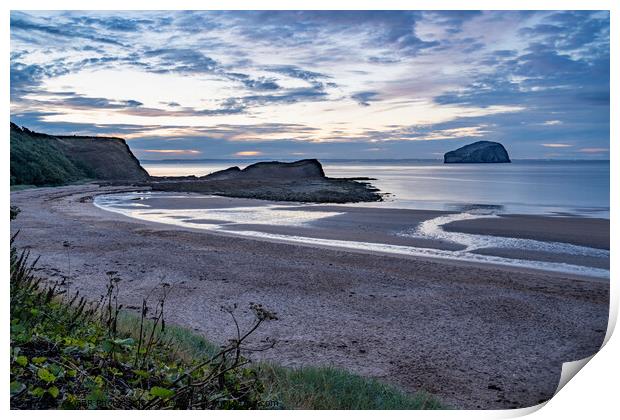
(527, 186)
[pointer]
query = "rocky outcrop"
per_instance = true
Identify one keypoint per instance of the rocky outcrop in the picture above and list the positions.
(303, 181)
(478, 152)
(302, 169)
(42, 159)
(229, 173)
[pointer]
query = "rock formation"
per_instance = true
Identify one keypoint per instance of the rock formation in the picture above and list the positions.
(303, 181)
(478, 152)
(302, 169)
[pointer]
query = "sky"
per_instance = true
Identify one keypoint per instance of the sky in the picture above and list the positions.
(317, 84)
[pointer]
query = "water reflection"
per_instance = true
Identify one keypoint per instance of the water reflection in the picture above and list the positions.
(524, 187)
(224, 219)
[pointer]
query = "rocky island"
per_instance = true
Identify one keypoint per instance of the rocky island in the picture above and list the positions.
(45, 160)
(478, 152)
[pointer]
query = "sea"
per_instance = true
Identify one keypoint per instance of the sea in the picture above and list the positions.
(547, 187)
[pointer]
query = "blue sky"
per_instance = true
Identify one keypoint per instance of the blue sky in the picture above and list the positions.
(324, 84)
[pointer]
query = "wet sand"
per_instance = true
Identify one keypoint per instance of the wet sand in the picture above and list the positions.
(575, 230)
(384, 230)
(477, 336)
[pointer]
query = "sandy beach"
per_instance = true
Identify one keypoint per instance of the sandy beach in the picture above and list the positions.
(476, 335)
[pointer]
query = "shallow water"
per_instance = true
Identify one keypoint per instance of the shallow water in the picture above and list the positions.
(220, 219)
(527, 187)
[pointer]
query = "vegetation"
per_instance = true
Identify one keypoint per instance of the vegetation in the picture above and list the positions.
(43, 160)
(69, 353)
(37, 160)
(320, 388)
(14, 212)
(308, 388)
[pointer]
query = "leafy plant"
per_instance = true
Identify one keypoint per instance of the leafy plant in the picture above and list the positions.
(67, 352)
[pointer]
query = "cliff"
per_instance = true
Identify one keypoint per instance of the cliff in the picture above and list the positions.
(42, 159)
(478, 152)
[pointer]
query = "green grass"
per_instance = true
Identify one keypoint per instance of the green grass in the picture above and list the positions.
(22, 187)
(37, 160)
(329, 388)
(184, 343)
(309, 388)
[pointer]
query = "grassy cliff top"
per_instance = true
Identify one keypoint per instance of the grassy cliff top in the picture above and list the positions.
(45, 160)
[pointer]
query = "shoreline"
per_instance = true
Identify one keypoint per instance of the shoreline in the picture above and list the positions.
(385, 231)
(414, 322)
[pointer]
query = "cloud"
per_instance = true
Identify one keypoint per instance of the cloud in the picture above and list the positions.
(288, 96)
(287, 79)
(586, 28)
(180, 60)
(556, 145)
(393, 30)
(78, 101)
(594, 150)
(296, 72)
(26, 77)
(172, 151)
(20, 23)
(261, 83)
(246, 153)
(115, 23)
(455, 133)
(364, 98)
(452, 20)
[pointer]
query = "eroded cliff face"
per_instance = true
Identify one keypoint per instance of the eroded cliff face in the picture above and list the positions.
(478, 152)
(42, 159)
(106, 158)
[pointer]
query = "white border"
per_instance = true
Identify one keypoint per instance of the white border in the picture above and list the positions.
(592, 395)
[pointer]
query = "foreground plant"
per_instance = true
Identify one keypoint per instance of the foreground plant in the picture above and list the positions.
(67, 352)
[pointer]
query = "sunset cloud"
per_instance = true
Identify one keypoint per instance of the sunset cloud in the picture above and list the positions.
(172, 151)
(247, 153)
